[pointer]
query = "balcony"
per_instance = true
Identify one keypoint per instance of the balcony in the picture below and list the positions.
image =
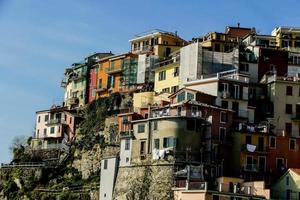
(100, 89)
(253, 128)
(113, 70)
(73, 100)
(231, 95)
(296, 117)
(63, 83)
(55, 121)
(251, 168)
(249, 148)
(125, 134)
(79, 76)
(143, 49)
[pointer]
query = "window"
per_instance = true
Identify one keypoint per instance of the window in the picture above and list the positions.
(236, 91)
(190, 125)
(217, 47)
(105, 164)
(127, 144)
(222, 134)
(46, 118)
(156, 143)
(142, 147)
(223, 117)
(279, 162)
(224, 104)
(100, 83)
(169, 142)
(176, 71)
(52, 129)
(190, 96)
(93, 93)
(273, 142)
(288, 108)
(174, 89)
(141, 128)
(224, 87)
(39, 119)
(287, 180)
(181, 97)
(244, 67)
(167, 90)
(289, 90)
(288, 128)
(248, 139)
(45, 131)
(162, 75)
(70, 120)
(37, 132)
(155, 125)
(292, 144)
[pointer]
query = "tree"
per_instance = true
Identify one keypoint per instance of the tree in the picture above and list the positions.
(18, 145)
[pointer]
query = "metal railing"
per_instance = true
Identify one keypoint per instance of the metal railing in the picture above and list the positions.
(23, 164)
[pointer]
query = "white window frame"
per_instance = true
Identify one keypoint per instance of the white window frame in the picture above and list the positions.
(236, 91)
(225, 87)
(221, 117)
(290, 144)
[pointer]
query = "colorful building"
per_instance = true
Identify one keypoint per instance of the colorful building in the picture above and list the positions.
(287, 38)
(54, 127)
(116, 73)
(167, 75)
(225, 188)
(75, 84)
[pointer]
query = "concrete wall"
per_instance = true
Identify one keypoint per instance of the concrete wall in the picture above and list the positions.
(190, 63)
(108, 177)
(142, 99)
(125, 155)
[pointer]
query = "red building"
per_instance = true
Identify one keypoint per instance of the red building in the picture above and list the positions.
(93, 83)
(271, 61)
(283, 153)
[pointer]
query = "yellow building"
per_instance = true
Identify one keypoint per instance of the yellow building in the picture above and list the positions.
(167, 75)
(250, 151)
(287, 37)
(157, 42)
(288, 185)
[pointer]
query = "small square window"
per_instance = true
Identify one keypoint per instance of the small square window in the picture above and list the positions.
(52, 130)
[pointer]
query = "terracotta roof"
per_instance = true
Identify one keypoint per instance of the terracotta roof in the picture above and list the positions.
(296, 170)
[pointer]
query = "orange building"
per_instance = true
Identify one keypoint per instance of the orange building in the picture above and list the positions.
(116, 73)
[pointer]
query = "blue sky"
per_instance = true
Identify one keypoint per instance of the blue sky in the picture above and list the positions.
(39, 38)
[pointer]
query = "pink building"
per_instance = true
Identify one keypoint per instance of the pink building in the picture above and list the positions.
(53, 127)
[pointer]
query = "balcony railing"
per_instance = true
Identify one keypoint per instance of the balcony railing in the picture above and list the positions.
(183, 113)
(72, 100)
(126, 133)
(112, 70)
(55, 121)
(251, 168)
(231, 95)
(253, 128)
(79, 76)
(254, 148)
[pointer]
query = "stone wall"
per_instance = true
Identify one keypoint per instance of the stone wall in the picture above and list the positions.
(138, 182)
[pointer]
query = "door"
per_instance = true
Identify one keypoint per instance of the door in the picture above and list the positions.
(260, 144)
(262, 164)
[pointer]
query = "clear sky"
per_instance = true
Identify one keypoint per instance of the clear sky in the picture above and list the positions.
(39, 38)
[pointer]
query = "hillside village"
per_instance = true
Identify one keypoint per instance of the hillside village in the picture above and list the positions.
(215, 117)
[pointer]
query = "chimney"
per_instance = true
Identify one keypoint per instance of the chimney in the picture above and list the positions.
(238, 24)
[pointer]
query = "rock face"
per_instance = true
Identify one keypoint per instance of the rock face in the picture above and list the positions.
(87, 161)
(138, 182)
